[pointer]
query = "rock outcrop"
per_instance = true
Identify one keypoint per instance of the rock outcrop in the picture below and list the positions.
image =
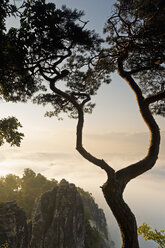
(65, 217)
(58, 219)
(13, 227)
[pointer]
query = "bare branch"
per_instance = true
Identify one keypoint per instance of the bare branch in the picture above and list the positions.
(99, 162)
(149, 161)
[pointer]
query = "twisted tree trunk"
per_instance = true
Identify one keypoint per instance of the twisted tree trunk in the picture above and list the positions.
(117, 181)
(125, 218)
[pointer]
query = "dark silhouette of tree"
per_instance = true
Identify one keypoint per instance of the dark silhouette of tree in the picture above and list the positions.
(55, 50)
(136, 39)
(16, 84)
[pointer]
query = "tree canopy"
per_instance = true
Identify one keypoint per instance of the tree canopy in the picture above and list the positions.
(15, 84)
(136, 32)
(24, 190)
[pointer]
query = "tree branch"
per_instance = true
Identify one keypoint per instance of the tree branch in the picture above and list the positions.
(79, 146)
(149, 161)
(62, 58)
(154, 98)
(139, 69)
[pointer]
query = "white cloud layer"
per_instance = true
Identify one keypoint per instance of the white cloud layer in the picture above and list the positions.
(144, 195)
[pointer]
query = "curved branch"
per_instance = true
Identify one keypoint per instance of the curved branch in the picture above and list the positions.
(79, 147)
(62, 58)
(149, 161)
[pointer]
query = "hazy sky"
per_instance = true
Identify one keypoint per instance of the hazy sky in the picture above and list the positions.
(114, 132)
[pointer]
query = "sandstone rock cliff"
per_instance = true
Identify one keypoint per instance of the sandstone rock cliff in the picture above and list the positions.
(58, 219)
(65, 217)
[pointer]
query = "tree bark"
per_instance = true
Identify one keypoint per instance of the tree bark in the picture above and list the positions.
(113, 193)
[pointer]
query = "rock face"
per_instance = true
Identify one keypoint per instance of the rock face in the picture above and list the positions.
(13, 227)
(58, 219)
(65, 217)
(96, 215)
